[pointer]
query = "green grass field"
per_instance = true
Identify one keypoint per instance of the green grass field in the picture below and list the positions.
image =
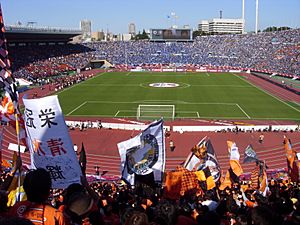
(199, 95)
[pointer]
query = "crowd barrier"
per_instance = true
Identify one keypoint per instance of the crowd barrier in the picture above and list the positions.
(126, 126)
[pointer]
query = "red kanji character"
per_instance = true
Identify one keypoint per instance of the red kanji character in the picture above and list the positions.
(56, 147)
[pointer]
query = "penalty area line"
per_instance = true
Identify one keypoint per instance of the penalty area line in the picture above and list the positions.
(76, 108)
(243, 111)
(117, 113)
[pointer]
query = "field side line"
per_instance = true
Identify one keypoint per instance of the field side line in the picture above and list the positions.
(243, 111)
(117, 113)
(278, 99)
(198, 115)
(296, 103)
(77, 108)
(127, 74)
(207, 74)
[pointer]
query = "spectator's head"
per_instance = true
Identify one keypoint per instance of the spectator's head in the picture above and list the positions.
(80, 207)
(137, 218)
(37, 185)
(79, 204)
(262, 215)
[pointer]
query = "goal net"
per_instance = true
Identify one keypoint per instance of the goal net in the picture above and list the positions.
(155, 111)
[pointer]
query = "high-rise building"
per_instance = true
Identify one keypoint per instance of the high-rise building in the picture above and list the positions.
(98, 36)
(222, 26)
(203, 26)
(226, 26)
(86, 28)
(131, 29)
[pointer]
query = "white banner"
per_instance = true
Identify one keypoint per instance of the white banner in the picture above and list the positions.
(49, 142)
(143, 154)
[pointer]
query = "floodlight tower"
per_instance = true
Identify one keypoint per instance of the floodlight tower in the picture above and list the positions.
(256, 19)
(243, 15)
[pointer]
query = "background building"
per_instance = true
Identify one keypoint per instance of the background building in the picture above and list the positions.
(131, 29)
(126, 37)
(86, 28)
(203, 26)
(98, 36)
(222, 26)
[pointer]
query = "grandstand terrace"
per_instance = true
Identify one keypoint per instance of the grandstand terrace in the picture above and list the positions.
(269, 52)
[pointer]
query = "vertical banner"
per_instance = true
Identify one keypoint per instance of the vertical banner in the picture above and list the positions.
(144, 154)
(49, 142)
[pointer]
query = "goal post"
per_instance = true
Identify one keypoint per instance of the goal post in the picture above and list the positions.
(155, 111)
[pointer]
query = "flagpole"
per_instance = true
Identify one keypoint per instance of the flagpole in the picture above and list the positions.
(2, 130)
(19, 156)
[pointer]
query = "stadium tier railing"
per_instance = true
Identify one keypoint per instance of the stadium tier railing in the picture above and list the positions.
(142, 126)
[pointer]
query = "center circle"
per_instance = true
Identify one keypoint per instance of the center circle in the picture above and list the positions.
(164, 85)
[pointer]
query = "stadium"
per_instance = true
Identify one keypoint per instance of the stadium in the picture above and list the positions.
(219, 89)
(243, 88)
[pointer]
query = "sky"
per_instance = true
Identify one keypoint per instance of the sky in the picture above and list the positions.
(115, 15)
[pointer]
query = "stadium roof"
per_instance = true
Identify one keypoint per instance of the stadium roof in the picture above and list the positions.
(19, 34)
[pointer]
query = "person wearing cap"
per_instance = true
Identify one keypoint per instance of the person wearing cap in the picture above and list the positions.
(81, 205)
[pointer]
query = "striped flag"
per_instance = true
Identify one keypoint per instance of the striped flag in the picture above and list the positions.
(9, 107)
(7, 81)
(263, 188)
(293, 169)
(235, 170)
(254, 177)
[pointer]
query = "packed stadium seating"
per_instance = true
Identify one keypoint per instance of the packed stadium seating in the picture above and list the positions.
(276, 52)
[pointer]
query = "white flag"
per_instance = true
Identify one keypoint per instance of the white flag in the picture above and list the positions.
(143, 154)
(49, 142)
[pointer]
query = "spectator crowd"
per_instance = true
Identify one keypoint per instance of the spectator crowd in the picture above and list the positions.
(276, 52)
(114, 203)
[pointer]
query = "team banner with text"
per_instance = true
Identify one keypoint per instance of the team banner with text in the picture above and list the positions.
(144, 154)
(49, 142)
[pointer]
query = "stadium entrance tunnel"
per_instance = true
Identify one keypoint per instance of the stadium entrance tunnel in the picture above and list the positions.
(96, 64)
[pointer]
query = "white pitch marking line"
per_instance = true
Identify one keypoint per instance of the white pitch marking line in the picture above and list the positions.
(207, 74)
(76, 108)
(267, 93)
(127, 74)
(117, 113)
(198, 115)
(243, 111)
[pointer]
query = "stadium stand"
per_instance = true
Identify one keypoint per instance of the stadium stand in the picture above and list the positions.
(185, 202)
(272, 52)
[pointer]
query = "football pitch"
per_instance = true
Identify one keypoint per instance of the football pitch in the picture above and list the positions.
(193, 95)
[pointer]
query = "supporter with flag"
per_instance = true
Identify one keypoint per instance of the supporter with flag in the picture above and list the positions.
(144, 154)
(203, 156)
(235, 170)
(291, 156)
